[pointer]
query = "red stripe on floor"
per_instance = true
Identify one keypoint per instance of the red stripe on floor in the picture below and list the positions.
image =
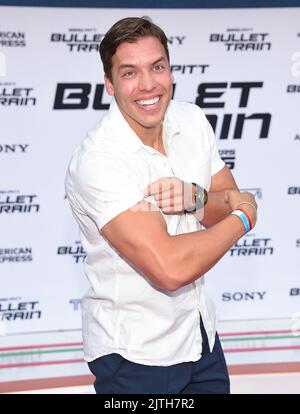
(254, 333)
(34, 364)
(274, 348)
(266, 368)
(15, 348)
(45, 383)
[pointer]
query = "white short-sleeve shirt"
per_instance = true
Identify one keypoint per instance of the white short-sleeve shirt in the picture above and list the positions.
(122, 312)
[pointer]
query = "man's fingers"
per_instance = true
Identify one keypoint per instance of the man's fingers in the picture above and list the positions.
(151, 189)
(163, 186)
(154, 188)
(227, 194)
(169, 194)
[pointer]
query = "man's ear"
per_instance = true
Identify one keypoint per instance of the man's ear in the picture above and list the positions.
(108, 86)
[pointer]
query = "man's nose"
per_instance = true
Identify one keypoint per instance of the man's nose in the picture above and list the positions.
(147, 81)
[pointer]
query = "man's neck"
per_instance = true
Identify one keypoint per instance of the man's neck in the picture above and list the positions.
(149, 136)
(153, 138)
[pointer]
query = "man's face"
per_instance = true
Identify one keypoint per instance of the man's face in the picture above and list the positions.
(142, 83)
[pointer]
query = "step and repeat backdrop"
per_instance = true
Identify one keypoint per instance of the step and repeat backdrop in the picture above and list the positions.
(242, 66)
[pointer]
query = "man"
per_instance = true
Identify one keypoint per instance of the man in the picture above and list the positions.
(137, 186)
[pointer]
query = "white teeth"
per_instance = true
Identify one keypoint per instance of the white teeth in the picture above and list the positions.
(148, 101)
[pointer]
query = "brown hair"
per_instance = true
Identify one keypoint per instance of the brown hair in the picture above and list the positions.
(129, 30)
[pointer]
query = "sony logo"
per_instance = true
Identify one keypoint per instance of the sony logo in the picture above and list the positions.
(242, 296)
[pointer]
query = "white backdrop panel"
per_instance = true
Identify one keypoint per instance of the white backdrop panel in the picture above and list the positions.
(246, 57)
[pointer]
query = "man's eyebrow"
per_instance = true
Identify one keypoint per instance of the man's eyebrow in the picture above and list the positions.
(131, 65)
(126, 65)
(161, 59)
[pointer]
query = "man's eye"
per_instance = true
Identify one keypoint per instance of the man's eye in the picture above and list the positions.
(158, 67)
(129, 74)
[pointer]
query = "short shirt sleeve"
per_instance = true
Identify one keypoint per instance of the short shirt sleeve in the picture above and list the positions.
(106, 185)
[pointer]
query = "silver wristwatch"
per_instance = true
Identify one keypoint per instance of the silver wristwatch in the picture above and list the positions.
(201, 198)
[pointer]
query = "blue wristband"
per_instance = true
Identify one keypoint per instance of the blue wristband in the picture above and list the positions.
(244, 219)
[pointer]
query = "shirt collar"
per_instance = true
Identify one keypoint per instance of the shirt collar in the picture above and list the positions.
(121, 130)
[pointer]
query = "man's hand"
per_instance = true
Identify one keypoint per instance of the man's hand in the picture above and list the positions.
(172, 195)
(244, 200)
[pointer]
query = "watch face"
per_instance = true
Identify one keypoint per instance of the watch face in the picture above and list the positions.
(201, 197)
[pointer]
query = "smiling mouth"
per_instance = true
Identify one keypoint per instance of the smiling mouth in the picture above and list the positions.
(148, 102)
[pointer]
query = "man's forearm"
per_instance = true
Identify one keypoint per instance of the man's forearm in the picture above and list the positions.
(191, 255)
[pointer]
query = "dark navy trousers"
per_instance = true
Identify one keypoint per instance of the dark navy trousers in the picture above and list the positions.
(116, 375)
